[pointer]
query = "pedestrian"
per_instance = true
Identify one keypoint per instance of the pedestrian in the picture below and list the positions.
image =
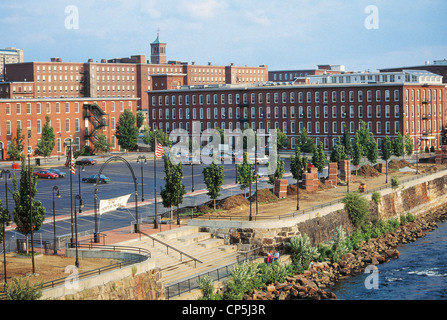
(276, 256)
(269, 257)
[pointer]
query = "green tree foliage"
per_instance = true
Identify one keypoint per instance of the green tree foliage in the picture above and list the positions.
(126, 130)
(214, 178)
(339, 247)
(372, 153)
(149, 138)
(281, 138)
(338, 152)
(3, 220)
(140, 119)
(363, 135)
(279, 172)
(305, 142)
(174, 190)
(408, 144)
(319, 158)
(46, 143)
(245, 174)
(398, 146)
(357, 208)
(21, 196)
(298, 164)
(101, 144)
(15, 148)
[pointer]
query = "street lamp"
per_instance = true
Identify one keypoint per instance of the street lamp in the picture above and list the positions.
(6, 174)
(79, 181)
(142, 181)
(192, 175)
(55, 188)
(31, 203)
(79, 198)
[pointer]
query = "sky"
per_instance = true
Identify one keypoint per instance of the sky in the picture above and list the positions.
(282, 34)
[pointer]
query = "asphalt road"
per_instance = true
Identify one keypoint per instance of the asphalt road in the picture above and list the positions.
(121, 184)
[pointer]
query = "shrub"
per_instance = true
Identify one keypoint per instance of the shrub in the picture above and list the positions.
(376, 197)
(243, 279)
(357, 208)
(302, 252)
(410, 217)
(339, 247)
(22, 290)
(394, 182)
(206, 286)
(403, 219)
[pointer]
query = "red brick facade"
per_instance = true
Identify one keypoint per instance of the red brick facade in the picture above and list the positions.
(68, 116)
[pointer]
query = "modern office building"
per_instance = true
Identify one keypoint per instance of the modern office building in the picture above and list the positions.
(9, 55)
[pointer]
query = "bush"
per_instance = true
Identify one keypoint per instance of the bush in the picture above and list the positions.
(206, 286)
(339, 247)
(432, 149)
(376, 197)
(243, 279)
(357, 208)
(410, 217)
(22, 290)
(403, 219)
(394, 182)
(302, 252)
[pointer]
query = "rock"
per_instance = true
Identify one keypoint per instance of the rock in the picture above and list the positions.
(392, 253)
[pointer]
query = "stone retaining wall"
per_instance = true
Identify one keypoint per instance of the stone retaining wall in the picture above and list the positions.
(416, 196)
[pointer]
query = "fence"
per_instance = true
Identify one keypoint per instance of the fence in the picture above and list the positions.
(217, 274)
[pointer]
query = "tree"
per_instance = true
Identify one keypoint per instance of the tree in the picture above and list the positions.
(357, 152)
(23, 195)
(409, 146)
(279, 172)
(140, 119)
(338, 152)
(372, 153)
(46, 143)
(398, 146)
(319, 158)
(281, 138)
(16, 146)
(101, 144)
(245, 174)
(346, 141)
(149, 137)
(126, 130)
(386, 153)
(298, 164)
(357, 208)
(305, 142)
(3, 220)
(214, 178)
(174, 190)
(364, 135)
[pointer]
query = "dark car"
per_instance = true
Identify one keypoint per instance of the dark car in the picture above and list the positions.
(92, 179)
(46, 174)
(61, 174)
(86, 162)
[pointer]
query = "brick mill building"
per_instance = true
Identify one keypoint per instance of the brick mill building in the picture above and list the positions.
(410, 102)
(121, 81)
(78, 120)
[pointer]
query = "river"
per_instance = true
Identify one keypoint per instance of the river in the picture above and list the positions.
(420, 273)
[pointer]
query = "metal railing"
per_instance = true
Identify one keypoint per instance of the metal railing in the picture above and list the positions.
(168, 246)
(217, 274)
(303, 211)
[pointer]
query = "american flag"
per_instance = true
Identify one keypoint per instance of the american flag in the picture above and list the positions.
(159, 152)
(70, 162)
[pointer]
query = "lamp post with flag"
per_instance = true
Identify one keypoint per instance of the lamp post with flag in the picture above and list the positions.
(157, 154)
(69, 163)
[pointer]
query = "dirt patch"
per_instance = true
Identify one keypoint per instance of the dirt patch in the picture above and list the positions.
(232, 202)
(368, 171)
(47, 267)
(264, 195)
(398, 164)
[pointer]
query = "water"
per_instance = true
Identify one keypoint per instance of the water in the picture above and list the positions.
(420, 273)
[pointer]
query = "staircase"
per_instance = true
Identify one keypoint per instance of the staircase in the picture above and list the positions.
(210, 253)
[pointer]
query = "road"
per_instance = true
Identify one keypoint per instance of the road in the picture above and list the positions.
(121, 184)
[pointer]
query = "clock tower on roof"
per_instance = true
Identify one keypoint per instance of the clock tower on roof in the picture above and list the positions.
(158, 51)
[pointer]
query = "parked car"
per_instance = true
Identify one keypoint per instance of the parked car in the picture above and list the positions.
(86, 162)
(92, 179)
(46, 174)
(61, 174)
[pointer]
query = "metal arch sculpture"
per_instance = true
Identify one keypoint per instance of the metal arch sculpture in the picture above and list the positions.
(136, 226)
